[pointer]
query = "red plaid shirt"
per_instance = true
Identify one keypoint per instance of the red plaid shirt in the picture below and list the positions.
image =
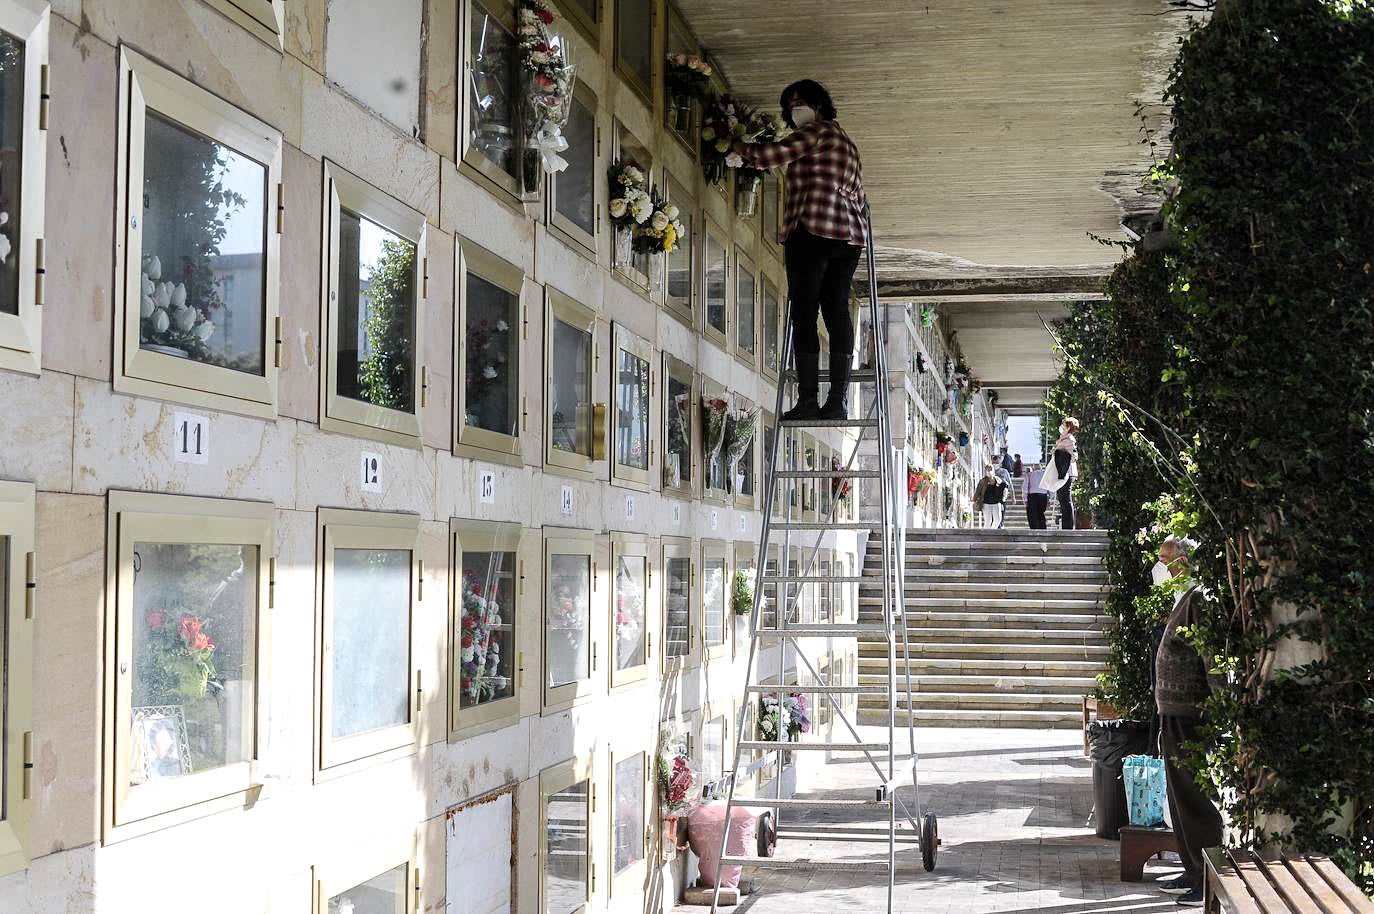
(825, 182)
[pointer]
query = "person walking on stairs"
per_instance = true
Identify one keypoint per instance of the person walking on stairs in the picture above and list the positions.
(1182, 683)
(1060, 472)
(989, 498)
(823, 234)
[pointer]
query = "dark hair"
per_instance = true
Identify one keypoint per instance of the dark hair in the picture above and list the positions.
(814, 94)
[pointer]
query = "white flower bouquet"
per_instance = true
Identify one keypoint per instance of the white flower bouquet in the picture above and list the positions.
(715, 411)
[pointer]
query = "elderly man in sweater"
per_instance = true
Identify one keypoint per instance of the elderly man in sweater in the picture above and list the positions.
(1182, 684)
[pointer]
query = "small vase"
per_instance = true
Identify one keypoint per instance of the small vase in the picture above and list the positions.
(747, 194)
(670, 832)
(624, 247)
(680, 113)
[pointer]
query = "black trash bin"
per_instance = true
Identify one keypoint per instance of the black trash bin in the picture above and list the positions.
(1109, 742)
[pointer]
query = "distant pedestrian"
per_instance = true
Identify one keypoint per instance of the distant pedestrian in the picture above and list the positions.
(1006, 463)
(990, 498)
(1065, 459)
(1010, 493)
(1016, 468)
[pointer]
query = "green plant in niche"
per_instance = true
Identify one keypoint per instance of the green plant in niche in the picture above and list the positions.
(742, 597)
(385, 377)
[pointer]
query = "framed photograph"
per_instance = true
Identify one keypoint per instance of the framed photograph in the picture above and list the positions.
(161, 747)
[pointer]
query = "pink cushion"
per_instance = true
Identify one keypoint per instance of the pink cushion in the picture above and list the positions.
(704, 825)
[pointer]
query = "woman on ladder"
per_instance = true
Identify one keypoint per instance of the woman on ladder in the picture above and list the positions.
(824, 231)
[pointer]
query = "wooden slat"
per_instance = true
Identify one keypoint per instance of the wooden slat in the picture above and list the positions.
(1252, 871)
(1341, 883)
(1224, 884)
(1326, 898)
(1300, 900)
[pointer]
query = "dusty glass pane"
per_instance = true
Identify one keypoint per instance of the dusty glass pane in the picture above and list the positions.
(491, 344)
(487, 628)
(590, 7)
(630, 589)
(768, 209)
(680, 266)
(569, 595)
(677, 450)
(11, 161)
(769, 618)
(772, 340)
(194, 630)
(629, 812)
(635, 39)
(570, 388)
(717, 283)
(713, 599)
(575, 198)
(565, 867)
(203, 260)
(743, 480)
(744, 310)
(632, 418)
(384, 894)
(713, 750)
(677, 596)
(370, 639)
(494, 90)
(376, 356)
(823, 593)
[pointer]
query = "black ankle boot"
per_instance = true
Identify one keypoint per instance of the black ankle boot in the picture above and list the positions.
(808, 386)
(837, 400)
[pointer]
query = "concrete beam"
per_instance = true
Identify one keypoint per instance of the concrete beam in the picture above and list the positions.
(1073, 287)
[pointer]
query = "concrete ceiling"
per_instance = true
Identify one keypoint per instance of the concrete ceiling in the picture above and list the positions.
(995, 134)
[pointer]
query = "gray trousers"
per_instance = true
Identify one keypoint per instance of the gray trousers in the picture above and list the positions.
(1197, 823)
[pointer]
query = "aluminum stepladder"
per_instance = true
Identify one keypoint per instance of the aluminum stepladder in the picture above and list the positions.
(882, 467)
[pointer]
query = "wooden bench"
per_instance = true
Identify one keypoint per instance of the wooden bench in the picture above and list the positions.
(1139, 845)
(1242, 882)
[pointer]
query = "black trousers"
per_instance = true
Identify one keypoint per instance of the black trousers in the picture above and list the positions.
(819, 274)
(1062, 461)
(1197, 823)
(1036, 505)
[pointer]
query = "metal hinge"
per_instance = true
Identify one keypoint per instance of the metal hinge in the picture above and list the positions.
(272, 582)
(43, 97)
(281, 208)
(424, 277)
(525, 322)
(648, 574)
(278, 343)
(524, 413)
(417, 888)
(519, 669)
(30, 584)
(593, 575)
(419, 690)
(420, 580)
(28, 764)
(648, 645)
(594, 647)
(520, 579)
(39, 272)
(424, 386)
(593, 873)
(593, 797)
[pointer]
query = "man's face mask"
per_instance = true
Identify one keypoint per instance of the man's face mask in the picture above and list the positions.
(803, 115)
(1160, 573)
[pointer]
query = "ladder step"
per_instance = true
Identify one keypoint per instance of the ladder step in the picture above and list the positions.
(830, 423)
(820, 689)
(765, 744)
(832, 866)
(857, 376)
(826, 474)
(824, 630)
(817, 579)
(824, 525)
(811, 804)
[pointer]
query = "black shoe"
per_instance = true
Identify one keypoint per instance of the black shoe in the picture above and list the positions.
(1193, 899)
(834, 408)
(806, 408)
(1179, 885)
(837, 398)
(808, 387)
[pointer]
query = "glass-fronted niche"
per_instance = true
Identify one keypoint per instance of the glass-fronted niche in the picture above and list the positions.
(199, 199)
(489, 118)
(714, 409)
(17, 561)
(636, 267)
(767, 426)
(490, 331)
(633, 593)
(573, 616)
(681, 393)
(575, 192)
(768, 617)
(771, 344)
(23, 106)
(745, 572)
(636, 57)
(714, 740)
(567, 805)
(570, 362)
(587, 16)
(373, 384)
(746, 308)
(631, 795)
(681, 617)
(491, 610)
(679, 298)
(370, 587)
(371, 877)
(715, 600)
(742, 473)
(481, 838)
(681, 124)
(716, 282)
(770, 208)
(633, 445)
(188, 665)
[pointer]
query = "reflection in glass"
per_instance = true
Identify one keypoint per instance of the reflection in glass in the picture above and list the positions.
(370, 639)
(677, 450)
(202, 291)
(772, 191)
(680, 266)
(193, 663)
(565, 867)
(823, 593)
(630, 589)
(384, 894)
(635, 39)
(487, 628)
(713, 600)
(717, 282)
(770, 595)
(376, 355)
(632, 405)
(744, 310)
(570, 388)
(629, 812)
(713, 750)
(494, 90)
(742, 475)
(492, 358)
(768, 462)
(575, 194)
(772, 339)
(569, 613)
(591, 7)
(11, 163)
(677, 596)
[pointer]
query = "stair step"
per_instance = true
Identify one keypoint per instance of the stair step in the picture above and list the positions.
(975, 562)
(814, 579)
(991, 604)
(920, 534)
(937, 588)
(1025, 624)
(941, 717)
(832, 630)
(765, 745)
(1037, 666)
(973, 683)
(986, 701)
(861, 689)
(830, 423)
(924, 648)
(826, 474)
(925, 573)
(828, 525)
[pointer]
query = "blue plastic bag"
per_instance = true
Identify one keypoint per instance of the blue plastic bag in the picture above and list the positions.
(1143, 776)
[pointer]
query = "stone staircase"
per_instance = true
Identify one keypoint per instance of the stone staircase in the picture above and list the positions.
(1006, 628)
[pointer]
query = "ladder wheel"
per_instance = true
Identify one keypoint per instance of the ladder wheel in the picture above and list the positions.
(930, 841)
(767, 835)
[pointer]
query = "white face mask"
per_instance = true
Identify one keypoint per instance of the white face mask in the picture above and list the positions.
(1160, 573)
(803, 115)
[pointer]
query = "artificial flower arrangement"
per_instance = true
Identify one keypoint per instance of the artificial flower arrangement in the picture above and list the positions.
(688, 76)
(739, 434)
(715, 410)
(629, 613)
(723, 121)
(761, 127)
(630, 203)
(177, 664)
(480, 643)
(659, 234)
(167, 319)
(794, 718)
(4, 238)
(548, 90)
(839, 485)
(918, 481)
(679, 446)
(742, 597)
(927, 316)
(486, 346)
(568, 608)
(679, 787)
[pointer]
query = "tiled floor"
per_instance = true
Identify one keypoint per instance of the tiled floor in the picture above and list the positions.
(1013, 807)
